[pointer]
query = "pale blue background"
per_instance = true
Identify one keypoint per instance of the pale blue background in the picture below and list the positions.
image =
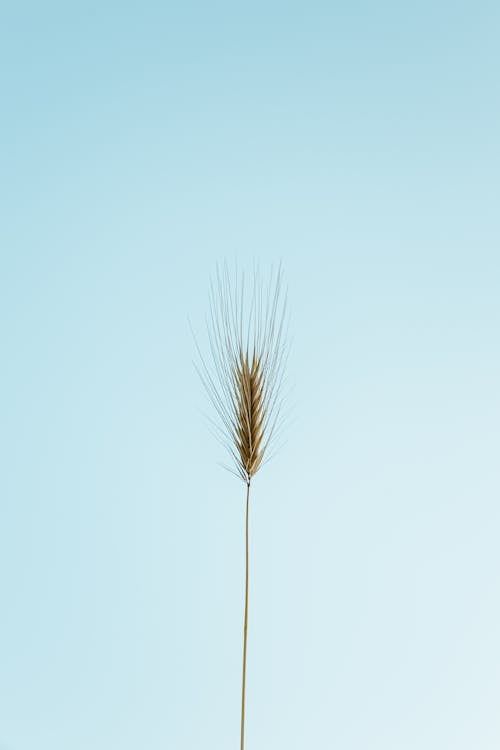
(141, 143)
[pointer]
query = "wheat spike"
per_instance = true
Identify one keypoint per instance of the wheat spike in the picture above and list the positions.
(243, 376)
(249, 389)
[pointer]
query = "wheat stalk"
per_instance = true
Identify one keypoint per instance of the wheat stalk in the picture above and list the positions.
(243, 376)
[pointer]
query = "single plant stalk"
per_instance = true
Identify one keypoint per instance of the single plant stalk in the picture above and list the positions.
(245, 628)
(243, 376)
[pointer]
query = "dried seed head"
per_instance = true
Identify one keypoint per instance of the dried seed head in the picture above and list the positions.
(250, 413)
(244, 373)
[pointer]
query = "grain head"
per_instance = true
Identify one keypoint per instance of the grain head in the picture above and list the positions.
(243, 373)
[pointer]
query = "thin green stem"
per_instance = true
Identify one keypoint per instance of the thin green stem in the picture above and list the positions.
(245, 628)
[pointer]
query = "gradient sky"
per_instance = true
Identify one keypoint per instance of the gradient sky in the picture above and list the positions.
(140, 144)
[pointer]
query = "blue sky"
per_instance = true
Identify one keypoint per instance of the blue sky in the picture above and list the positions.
(141, 144)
